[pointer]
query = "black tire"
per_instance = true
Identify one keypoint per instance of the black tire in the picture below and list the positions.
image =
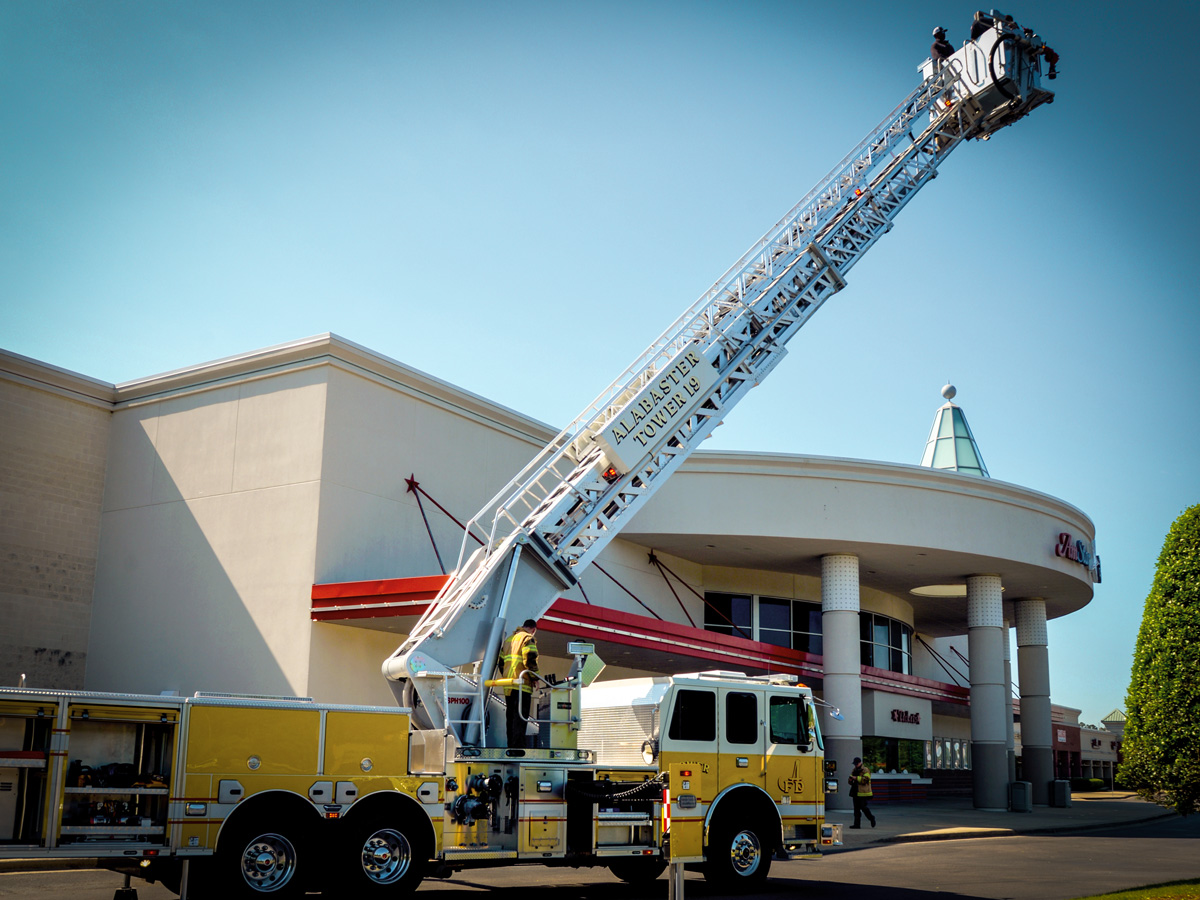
(638, 869)
(264, 859)
(738, 858)
(382, 856)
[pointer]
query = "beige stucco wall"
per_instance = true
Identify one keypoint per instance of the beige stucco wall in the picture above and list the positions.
(378, 433)
(208, 538)
(230, 488)
(344, 665)
(877, 719)
(952, 727)
(854, 503)
(53, 444)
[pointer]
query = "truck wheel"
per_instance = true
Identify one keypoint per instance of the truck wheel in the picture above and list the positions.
(260, 860)
(737, 858)
(638, 870)
(384, 857)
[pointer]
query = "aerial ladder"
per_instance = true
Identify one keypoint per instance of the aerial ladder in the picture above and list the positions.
(539, 533)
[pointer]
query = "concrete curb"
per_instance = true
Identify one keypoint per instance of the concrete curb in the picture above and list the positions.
(959, 834)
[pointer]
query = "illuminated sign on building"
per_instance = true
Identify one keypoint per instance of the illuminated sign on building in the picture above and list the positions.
(1080, 552)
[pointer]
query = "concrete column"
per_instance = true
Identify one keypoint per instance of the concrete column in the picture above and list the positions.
(843, 667)
(985, 640)
(1010, 740)
(1033, 663)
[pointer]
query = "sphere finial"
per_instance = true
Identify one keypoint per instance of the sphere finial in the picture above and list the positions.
(949, 391)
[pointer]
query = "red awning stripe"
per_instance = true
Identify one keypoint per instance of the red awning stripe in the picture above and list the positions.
(411, 597)
(427, 586)
(662, 644)
(397, 609)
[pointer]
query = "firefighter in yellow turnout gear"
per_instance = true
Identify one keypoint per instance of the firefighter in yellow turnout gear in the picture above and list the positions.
(861, 793)
(520, 656)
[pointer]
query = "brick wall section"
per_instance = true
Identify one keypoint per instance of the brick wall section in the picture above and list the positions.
(52, 463)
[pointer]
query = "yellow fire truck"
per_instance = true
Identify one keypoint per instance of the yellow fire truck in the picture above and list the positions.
(265, 796)
(251, 796)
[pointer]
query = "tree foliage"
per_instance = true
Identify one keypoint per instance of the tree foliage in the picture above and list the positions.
(1162, 729)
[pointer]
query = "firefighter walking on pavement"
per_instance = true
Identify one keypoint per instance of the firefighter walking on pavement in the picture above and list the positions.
(518, 660)
(860, 793)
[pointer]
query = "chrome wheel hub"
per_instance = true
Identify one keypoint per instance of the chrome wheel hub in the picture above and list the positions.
(268, 862)
(746, 853)
(386, 856)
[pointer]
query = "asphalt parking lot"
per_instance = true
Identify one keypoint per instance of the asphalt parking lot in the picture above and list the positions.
(1106, 841)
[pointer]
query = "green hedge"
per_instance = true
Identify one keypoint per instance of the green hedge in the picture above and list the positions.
(1089, 784)
(1162, 709)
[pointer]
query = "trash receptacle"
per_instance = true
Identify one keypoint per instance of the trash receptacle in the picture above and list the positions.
(1020, 796)
(1060, 793)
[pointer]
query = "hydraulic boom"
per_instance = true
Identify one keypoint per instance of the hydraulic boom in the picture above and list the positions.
(542, 530)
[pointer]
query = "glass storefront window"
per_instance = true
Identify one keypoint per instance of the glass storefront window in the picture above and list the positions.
(893, 754)
(886, 643)
(775, 621)
(728, 614)
(948, 753)
(806, 627)
(772, 620)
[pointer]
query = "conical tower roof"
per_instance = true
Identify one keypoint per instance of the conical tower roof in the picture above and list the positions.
(951, 444)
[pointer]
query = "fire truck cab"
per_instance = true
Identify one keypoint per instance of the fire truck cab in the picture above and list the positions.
(741, 759)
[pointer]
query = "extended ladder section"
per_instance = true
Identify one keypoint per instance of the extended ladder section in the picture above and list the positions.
(539, 533)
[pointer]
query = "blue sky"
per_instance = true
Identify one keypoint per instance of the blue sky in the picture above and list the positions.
(495, 192)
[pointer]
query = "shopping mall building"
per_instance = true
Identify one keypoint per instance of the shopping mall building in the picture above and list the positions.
(275, 522)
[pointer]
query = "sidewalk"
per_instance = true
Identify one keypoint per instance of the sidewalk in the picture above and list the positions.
(956, 818)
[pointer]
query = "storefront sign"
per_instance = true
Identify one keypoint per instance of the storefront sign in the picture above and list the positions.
(657, 409)
(890, 715)
(1080, 552)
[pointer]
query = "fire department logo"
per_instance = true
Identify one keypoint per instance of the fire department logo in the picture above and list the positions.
(792, 785)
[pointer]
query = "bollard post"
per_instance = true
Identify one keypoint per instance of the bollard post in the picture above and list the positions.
(675, 891)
